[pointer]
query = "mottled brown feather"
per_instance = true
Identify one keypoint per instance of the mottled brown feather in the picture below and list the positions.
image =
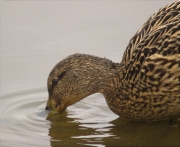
(144, 86)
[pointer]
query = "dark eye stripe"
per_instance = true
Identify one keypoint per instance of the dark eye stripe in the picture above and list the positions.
(61, 75)
(55, 81)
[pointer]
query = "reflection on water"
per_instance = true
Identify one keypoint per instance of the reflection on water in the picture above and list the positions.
(24, 122)
(86, 123)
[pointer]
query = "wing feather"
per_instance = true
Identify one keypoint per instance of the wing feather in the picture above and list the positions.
(160, 20)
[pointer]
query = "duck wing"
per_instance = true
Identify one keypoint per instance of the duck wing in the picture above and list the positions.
(154, 30)
(153, 56)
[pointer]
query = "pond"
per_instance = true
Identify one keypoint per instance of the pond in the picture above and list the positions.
(24, 122)
(35, 35)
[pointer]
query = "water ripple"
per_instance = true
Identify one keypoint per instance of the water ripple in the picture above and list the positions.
(92, 110)
(23, 118)
(24, 122)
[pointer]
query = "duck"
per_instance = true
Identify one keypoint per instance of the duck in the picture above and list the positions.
(144, 86)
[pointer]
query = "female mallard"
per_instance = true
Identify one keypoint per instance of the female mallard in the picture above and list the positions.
(144, 86)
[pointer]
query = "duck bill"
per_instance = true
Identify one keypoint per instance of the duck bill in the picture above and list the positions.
(48, 105)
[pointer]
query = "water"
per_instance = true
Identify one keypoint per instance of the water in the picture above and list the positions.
(35, 35)
(24, 122)
(23, 119)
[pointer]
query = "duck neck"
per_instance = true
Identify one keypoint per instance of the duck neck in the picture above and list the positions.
(101, 74)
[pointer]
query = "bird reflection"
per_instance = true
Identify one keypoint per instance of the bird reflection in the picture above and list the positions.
(65, 131)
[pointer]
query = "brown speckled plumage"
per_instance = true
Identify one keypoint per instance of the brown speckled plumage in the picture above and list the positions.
(144, 86)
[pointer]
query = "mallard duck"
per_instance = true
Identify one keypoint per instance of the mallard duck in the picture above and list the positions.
(144, 86)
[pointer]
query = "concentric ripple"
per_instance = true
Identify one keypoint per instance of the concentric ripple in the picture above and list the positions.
(25, 123)
(23, 118)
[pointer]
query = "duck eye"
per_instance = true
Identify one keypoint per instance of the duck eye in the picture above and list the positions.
(55, 81)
